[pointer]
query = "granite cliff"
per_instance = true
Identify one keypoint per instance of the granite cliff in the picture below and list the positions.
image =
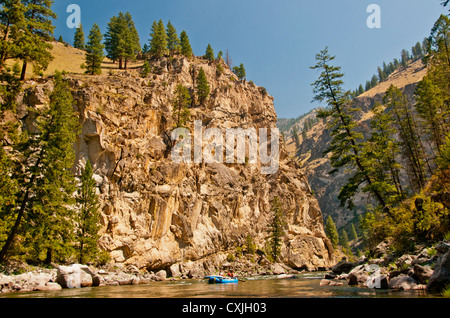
(158, 214)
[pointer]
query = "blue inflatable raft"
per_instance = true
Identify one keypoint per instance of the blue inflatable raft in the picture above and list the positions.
(221, 279)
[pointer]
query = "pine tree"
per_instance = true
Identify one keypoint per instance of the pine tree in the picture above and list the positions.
(12, 26)
(425, 46)
(122, 40)
(10, 88)
(404, 58)
(354, 235)
(276, 229)
(186, 49)
(158, 40)
(343, 240)
(433, 92)
(381, 75)
(114, 29)
(380, 154)
(240, 71)
(39, 30)
(433, 110)
(8, 192)
(88, 217)
(79, 39)
(296, 137)
(417, 51)
(203, 88)
(42, 214)
(391, 68)
(180, 105)
(146, 48)
(439, 41)
(50, 208)
(374, 81)
(406, 127)
(94, 51)
(346, 141)
(360, 89)
(209, 53)
(173, 43)
(145, 69)
(132, 42)
(331, 231)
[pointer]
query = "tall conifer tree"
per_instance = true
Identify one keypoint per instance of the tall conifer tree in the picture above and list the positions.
(209, 53)
(186, 49)
(276, 228)
(410, 142)
(88, 217)
(13, 25)
(346, 141)
(41, 215)
(94, 51)
(79, 41)
(173, 42)
(158, 40)
(122, 39)
(39, 31)
(203, 88)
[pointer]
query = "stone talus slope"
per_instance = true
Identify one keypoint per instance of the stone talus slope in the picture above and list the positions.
(156, 213)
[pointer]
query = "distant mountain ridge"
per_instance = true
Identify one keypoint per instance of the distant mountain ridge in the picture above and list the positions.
(310, 149)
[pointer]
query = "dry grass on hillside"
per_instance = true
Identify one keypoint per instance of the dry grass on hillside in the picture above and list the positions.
(414, 73)
(69, 59)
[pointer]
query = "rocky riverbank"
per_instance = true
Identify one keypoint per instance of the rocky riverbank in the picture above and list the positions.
(74, 276)
(79, 276)
(427, 269)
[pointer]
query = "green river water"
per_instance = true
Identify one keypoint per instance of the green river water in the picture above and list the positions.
(303, 286)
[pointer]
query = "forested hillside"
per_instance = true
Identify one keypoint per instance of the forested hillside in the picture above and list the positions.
(379, 162)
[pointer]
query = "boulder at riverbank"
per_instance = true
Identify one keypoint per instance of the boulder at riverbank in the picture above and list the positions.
(428, 269)
(74, 276)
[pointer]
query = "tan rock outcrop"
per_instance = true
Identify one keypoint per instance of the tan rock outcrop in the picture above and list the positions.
(155, 212)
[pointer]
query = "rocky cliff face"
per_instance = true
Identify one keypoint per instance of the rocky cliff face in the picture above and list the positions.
(156, 213)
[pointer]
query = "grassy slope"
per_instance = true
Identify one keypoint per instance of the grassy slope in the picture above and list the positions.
(69, 59)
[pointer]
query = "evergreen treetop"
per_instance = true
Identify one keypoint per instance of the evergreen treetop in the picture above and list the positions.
(122, 39)
(203, 88)
(158, 40)
(94, 51)
(87, 217)
(79, 41)
(186, 49)
(38, 31)
(331, 231)
(209, 53)
(173, 42)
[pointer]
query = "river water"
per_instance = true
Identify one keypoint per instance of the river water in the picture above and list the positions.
(303, 286)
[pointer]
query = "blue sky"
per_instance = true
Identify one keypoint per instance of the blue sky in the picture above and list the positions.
(277, 40)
